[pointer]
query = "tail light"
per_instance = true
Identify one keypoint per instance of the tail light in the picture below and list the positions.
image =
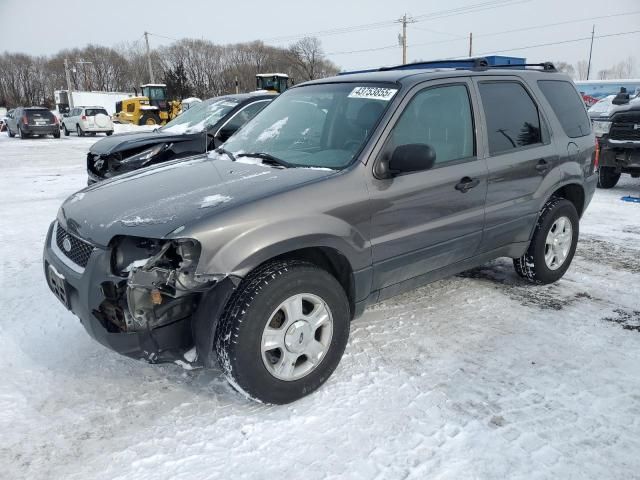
(83, 117)
(25, 120)
(55, 120)
(596, 155)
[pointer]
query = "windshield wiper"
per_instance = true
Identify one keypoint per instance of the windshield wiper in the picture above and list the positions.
(268, 158)
(226, 152)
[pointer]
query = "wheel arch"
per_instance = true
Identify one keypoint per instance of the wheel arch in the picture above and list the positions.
(574, 192)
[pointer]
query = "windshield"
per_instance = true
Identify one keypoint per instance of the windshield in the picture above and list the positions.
(315, 126)
(201, 116)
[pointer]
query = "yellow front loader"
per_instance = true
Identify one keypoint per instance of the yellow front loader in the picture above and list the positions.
(149, 108)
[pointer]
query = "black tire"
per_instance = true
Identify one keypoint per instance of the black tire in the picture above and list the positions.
(149, 117)
(56, 134)
(109, 133)
(79, 131)
(239, 332)
(532, 265)
(21, 134)
(66, 131)
(607, 177)
(10, 133)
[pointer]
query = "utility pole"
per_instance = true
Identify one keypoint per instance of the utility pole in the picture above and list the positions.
(68, 75)
(146, 39)
(403, 38)
(470, 44)
(593, 31)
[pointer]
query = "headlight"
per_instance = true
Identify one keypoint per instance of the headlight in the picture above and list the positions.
(601, 128)
(145, 155)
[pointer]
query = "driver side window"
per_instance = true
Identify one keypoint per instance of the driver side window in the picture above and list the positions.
(441, 118)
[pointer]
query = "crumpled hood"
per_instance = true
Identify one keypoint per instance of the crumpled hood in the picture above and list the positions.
(127, 141)
(155, 201)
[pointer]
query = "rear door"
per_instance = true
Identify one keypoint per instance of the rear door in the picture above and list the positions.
(519, 155)
(423, 221)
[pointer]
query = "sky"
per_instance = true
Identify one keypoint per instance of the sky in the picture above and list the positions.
(43, 27)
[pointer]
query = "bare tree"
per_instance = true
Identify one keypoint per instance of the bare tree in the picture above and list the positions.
(566, 68)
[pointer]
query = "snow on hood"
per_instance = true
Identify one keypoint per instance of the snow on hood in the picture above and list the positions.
(155, 201)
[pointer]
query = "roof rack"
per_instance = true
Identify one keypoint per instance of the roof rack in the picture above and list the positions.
(465, 63)
(479, 63)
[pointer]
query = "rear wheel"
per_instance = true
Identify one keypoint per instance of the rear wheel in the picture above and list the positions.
(607, 177)
(109, 133)
(10, 133)
(66, 131)
(79, 131)
(283, 332)
(56, 134)
(553, 244)
(21, 134)
(149, 118)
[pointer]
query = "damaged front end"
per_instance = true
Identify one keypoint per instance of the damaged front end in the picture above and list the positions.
(157, 296)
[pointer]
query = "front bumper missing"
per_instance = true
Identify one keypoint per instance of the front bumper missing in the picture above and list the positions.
(89, 294)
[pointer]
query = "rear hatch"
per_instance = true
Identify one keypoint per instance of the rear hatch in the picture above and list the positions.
(39, 117)
(96, 117)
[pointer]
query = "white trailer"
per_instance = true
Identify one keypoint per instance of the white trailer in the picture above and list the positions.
(103, 99)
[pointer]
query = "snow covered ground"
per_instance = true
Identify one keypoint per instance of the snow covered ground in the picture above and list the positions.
(476, 376)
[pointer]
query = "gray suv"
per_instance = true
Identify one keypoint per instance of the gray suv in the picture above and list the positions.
(341, 193)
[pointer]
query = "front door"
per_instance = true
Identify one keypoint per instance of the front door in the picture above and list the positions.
(426, 220)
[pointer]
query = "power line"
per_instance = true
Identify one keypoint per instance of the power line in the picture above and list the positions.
(561, 42)
(492, 4)
(483, 35)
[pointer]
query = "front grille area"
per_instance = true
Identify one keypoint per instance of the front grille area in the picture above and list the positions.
(79, 251)
(625, 131)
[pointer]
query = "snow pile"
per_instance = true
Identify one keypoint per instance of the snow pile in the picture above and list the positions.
(273, 131)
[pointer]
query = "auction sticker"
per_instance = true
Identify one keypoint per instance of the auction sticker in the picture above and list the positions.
(375, 93)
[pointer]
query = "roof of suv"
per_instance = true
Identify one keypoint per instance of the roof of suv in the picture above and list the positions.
(407, 75)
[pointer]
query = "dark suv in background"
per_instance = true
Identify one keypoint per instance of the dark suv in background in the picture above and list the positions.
(29, 121)
(201, 128)
(341, 193)
(618, 132)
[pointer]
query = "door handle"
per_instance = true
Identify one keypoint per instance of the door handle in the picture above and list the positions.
(542, 166)
(466, 183)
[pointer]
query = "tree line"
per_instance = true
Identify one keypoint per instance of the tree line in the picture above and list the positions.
(624, 69)
(189, 67)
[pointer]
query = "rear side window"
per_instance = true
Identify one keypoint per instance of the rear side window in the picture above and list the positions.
(568, 107)
(92, 112)
(512, 116)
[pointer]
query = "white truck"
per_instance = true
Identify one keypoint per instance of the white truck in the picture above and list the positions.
(107, 100)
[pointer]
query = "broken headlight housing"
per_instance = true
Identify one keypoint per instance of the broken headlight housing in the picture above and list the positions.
(158, 280)
(142, 158)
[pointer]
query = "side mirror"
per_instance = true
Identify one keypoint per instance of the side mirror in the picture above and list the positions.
(413, 157)
(621, 99)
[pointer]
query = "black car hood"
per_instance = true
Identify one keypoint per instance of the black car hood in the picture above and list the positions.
(127, 141)
(155, 201)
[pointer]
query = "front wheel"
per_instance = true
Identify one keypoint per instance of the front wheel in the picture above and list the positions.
(553, 244)
(607, 177)
(283, 332)
(149, 118)
(109, 133)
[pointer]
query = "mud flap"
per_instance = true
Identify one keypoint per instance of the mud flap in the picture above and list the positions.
(205, 320)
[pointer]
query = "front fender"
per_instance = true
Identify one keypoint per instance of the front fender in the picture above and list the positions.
(242, 253)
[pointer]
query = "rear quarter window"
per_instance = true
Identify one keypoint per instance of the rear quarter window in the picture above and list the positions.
(568, 107)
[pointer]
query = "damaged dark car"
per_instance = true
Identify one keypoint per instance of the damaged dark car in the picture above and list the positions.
(341, 193)
(201, 128)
